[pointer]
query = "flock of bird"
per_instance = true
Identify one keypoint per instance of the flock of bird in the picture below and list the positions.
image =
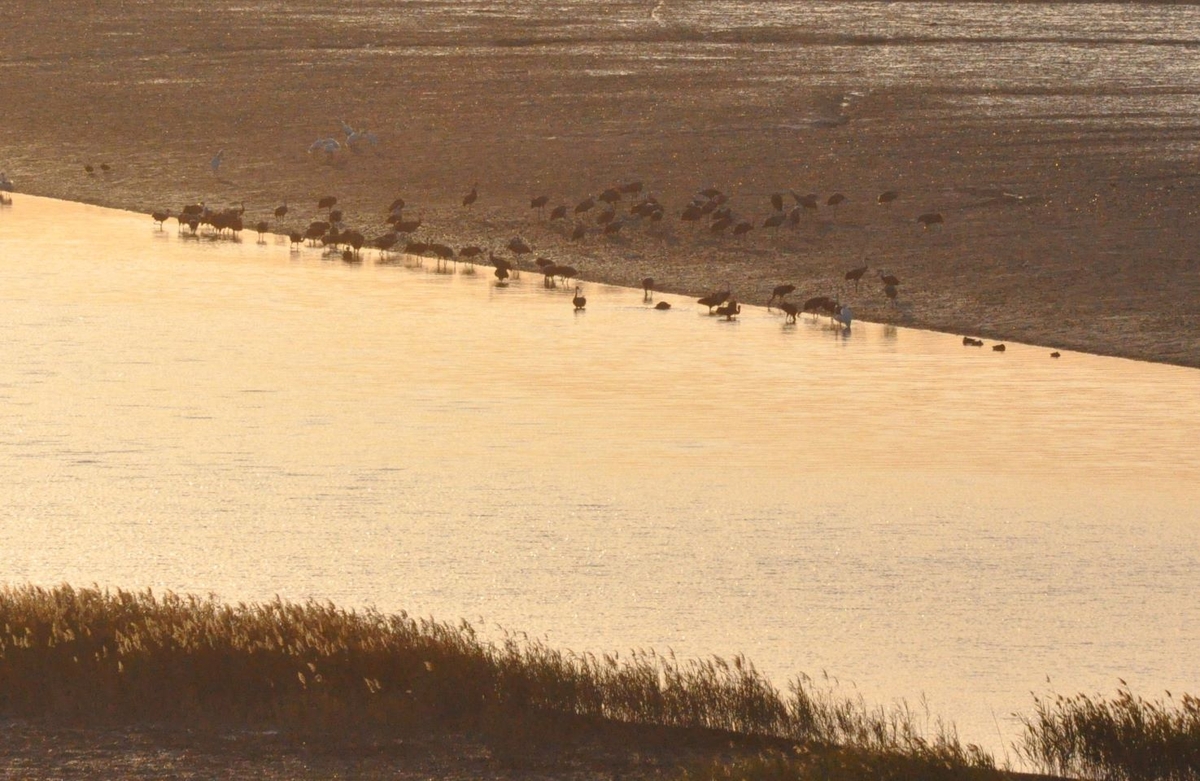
(711, 203)
(331, 233)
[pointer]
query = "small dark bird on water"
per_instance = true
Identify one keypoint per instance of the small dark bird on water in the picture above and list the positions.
(888, 196)
(930, 218)
(662, 306)
(1055, 354)
(998, 348)
(579, 301)
(971, 342)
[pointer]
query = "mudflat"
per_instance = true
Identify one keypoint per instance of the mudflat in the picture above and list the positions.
(1072, 235)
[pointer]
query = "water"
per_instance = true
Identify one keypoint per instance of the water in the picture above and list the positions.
(913, 516)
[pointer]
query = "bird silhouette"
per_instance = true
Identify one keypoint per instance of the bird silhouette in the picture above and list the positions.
(648, 289)
(817, 304)
(729, 309)
(327, 202)
(579, 301)
(777, 201)
(790, 309)
(930, 218)
(835, 199)
(559, 213)
(888, 279)
(539, 203)
(888, 196)
(261, 227)
(215, 163)
(855, 275)
(662, 306)
(713, 300)
(1056, 354)
(472, 196)
(890, 292)
(779, 292)
(161, 216)
(281, 211)
(998, 348)
(774, 221)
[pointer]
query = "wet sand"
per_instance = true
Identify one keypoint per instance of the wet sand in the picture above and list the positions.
(1076, 239)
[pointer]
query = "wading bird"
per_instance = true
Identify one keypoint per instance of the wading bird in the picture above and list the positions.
(779, 292)
(579, 301)
(855, 275)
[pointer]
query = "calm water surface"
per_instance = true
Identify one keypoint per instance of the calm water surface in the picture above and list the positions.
(908, 514)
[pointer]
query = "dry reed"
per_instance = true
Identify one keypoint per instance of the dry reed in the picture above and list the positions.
(1127, 737)
(90, 655)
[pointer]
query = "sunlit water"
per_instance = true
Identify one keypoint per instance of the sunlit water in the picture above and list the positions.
(914, 516)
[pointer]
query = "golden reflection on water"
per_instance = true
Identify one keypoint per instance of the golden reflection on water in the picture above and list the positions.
(886, 504)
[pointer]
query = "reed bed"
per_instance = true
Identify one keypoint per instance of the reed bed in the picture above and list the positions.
(1125, 737)
(90, 655)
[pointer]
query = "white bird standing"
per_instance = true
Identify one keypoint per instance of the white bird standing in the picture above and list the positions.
(215, 163)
